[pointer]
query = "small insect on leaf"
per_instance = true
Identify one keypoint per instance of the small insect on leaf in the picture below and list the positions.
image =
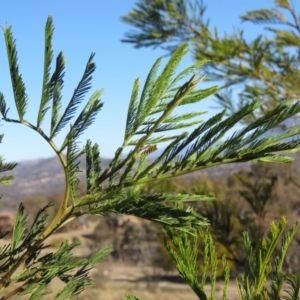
(148, 149)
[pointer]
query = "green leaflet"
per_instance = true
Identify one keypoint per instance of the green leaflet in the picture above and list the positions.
(4, 167)
(82, 88)
(48, 56)
(18, 85)
(55, 89)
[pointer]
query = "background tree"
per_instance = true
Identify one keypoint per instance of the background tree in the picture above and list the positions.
(267, 66)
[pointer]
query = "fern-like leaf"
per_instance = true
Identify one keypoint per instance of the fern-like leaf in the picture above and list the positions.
(132, 111)
(86, 117)
(93, 166)
(167, 127)
(278, 277)
(3, 109)
(293, 286)
(154, 140)
(82, 88)
(264, 16)
(18, 86)
(48, 55)
(56, 85)
(18, 234)
(156, 89)
(73, 155)
(146, 94)
(4, 167)
(130, 202)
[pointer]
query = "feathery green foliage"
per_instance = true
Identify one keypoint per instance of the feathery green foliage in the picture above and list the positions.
(18, 85)
(56, 85)
(131, 297)
(4, 167)
(266, 66)
(82, 88)
(259, 266)
(118, 188)
(184, 250)
(47, 65)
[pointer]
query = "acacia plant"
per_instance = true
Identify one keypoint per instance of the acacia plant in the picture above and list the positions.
(119, 188)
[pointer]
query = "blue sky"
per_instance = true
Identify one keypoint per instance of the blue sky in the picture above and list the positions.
(82, 27)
